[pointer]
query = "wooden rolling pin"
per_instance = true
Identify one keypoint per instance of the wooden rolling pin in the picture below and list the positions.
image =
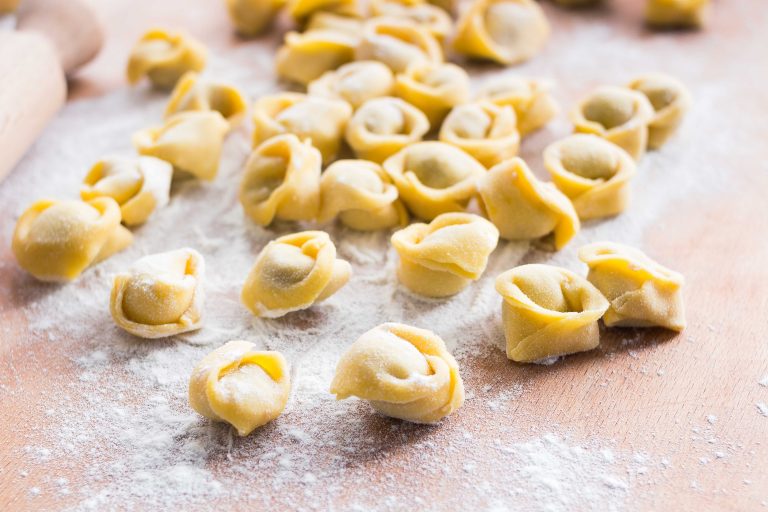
(53, 38)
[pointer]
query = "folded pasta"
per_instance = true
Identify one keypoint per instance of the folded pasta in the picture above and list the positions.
(252, 17)
(164, 57)
(484, 130)
(399, 44)
(192, 93)
(677, 13)
(355, 83)
(300, 10)
(322, 20)
(434, 89)
(670, 101)
(531, 99)
(436, 20)
(306, 56)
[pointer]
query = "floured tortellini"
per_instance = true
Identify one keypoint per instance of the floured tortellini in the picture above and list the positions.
(505, 31)
(670, 101)
(443, 257)
(164, 57)
(240, 385)
(548, 311)
(190, 141)
(383, 126)
(434, 89)
(399, 44)
(403, 372)
(617, 114)
(524, 208)
(641, 292)
(252, 17)
(321, 120)
(355, 83)
(362, 195)
(676, 13)
(434, 178)
(531, 99)
(58, 240)
(161, 295)
(293, 273)
(431, 17)
(306, 56)
(303, 9)
(328, 21)
(192, 93)
(592, 172)
(281, 181)
(484, 130)
(140, 186)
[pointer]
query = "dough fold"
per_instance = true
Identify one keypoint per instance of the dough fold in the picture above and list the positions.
(164, 57)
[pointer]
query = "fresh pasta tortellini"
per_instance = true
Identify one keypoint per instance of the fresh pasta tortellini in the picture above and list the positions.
(403, 372)
(399, 44)
(328, 21)
(362, 195)
(161, 295)
(434, 89)
(281, 181)
(505, 31)
(641, 292)
(593, 173)
(252, 17)
(670, 101)
(548, 311)
(676, 13)
(484, 130)
(436, 20)
(306, 56)
(164, 57)
(192, 93)
(139, 186)
(355, 83)
(531, 99)
(320, 120)
(443, 257)
(240, 385)
(292, 273)
(383, 126)
(524, 208)
(617, 114)
(58, 240)
(300, 10)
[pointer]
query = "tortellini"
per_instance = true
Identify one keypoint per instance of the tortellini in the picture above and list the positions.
(161, 295)
(434, 89)
(505, 31)
(306, 56)
(328, 21)
(252, 17)
(670, 101)
(190, 141)
(436, 20)
(403, 372)
(282, 180)
(399, 44)
(531, 99)
(58, 240)
(383, 126)
(641, 292)
(484, 130)
(321, 120)
(548, 311)
(192, 93)
(443, 257)
(524, 208)
(139, 186)
(240, 385)
(362, 195)
(617, 114)
(676, 13)
(302, 9)
(164, 57)
(355, 83)
(594, 173)
(292, 273)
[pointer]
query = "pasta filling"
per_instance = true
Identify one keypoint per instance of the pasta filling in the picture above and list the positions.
(609, 108)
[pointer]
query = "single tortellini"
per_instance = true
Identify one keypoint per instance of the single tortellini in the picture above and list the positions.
(355, 83)
(434, 178)
(193, 94)
(292, 273)
(161, 295)
(548, 311)
(593, 173)
(300, 10)
(436, 20)
(531, 99)
(58, 240)
(484, 130)
(505, 31)
(362, 195)
(617, 114)
(349, 25)
(164, 57)
(524, 208)
(321, 120)
(403, 372)
(306, 56)
(190, 141)
(641, 292)
(676, 13)
(443, 257)
(252, 17)
(140, 186)
(383, 126)
(281, 181)
(240, 385)
(434, 89)
(670, 101)
(399, 44)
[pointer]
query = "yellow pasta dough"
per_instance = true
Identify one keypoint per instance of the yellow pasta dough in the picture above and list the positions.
(398, 43)
(484, 130)
(139, 186)
(292, 273)
(164, 57)
(192, 93)
(433, 88)
(670, 101)
(403, 372)
(524, 208)
(303, 9)
(594, 173)
(328, 21)
(240, 385)
(641, 292)
(433, 18)
(281, 181)
(252, 17)
(362, 195)
(531, 99)
(443, 257)
(548, 311)
(306, 56)
(161, 295)
(58, 240)
(355, 83)
(676, 13)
